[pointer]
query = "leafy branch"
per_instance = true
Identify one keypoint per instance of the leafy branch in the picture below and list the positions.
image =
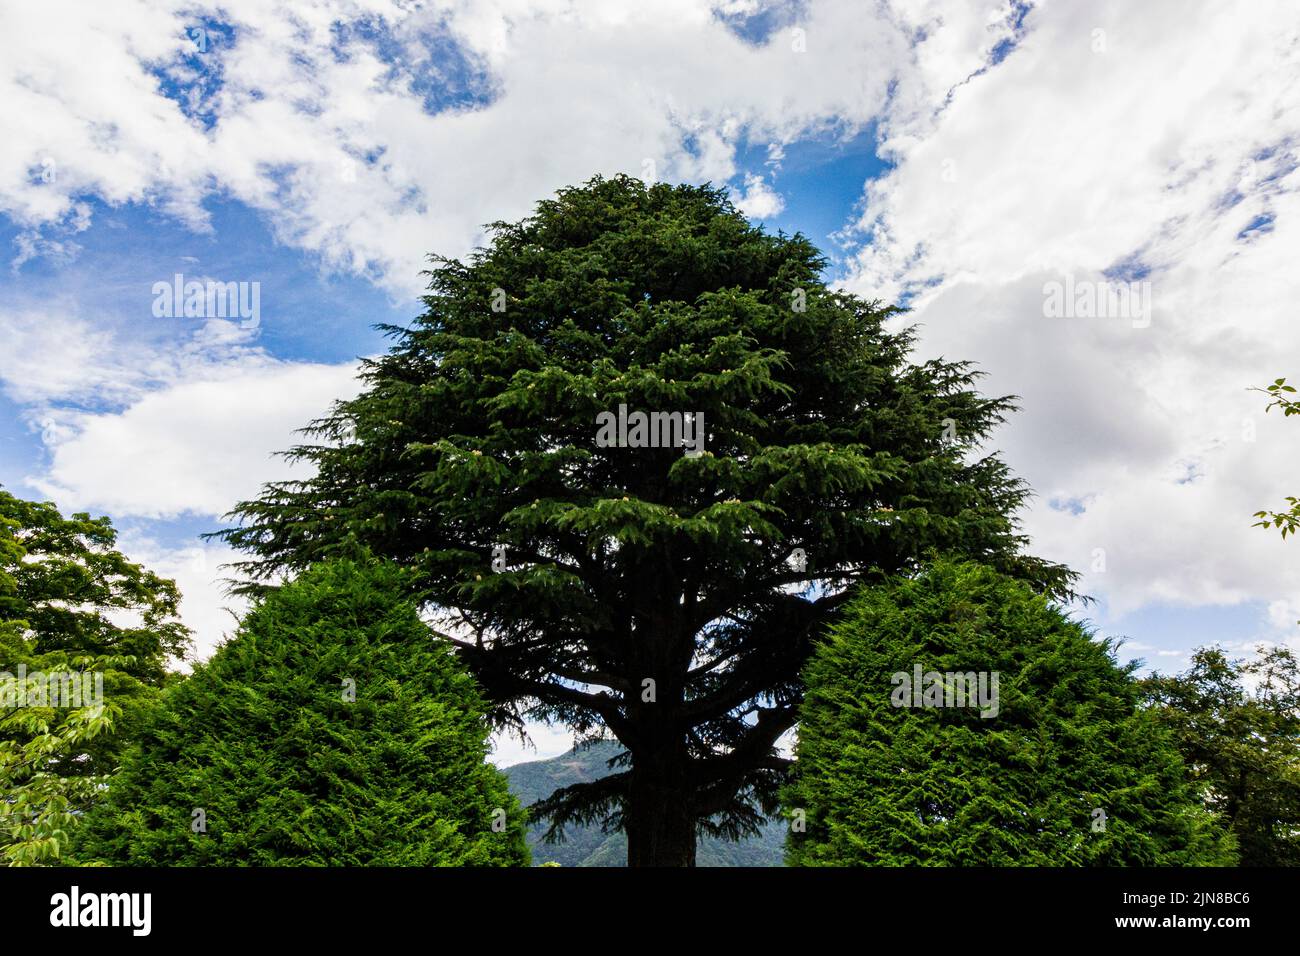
(1289, 520)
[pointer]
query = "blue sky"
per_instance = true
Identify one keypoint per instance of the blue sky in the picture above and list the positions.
(310, 312)
(959, 157)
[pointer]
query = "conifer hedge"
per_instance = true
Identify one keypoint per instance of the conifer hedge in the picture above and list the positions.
(333, 729)
(1066, 769)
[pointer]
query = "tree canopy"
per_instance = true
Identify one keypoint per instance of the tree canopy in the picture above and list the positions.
(666, 598)
(1242, 744)
(332, 729)
(76, 611)
(1064, 768)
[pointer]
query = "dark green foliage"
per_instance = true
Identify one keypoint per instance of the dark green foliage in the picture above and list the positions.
(886, 785)
(590, 845)
(630, 564)
(290, 772)
(1242, 745)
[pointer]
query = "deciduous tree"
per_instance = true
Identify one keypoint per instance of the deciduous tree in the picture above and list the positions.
(71, 606)
(1238, 727)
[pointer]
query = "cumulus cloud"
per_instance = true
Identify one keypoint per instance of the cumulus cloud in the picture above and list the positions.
(1116, 143)
(322, 114)
(142, 431)
(49, 354)
(759, 200)
(145, 430)
(192, 447)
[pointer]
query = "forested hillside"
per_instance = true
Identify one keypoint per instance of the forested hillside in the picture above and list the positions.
(588, 846)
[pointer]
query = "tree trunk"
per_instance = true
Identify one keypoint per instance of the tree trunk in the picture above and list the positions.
(658, 818)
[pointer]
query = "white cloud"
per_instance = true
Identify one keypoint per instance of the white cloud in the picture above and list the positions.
(759, 200)
(160, 429)
(545, 741)
(147, 429)
(49, 354)
(1155, 143)
(197, 568)
(1283, 615)
(193, 447)
(86, 112)
(336, 145)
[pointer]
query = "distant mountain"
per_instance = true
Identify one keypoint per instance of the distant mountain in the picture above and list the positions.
(588, 846)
